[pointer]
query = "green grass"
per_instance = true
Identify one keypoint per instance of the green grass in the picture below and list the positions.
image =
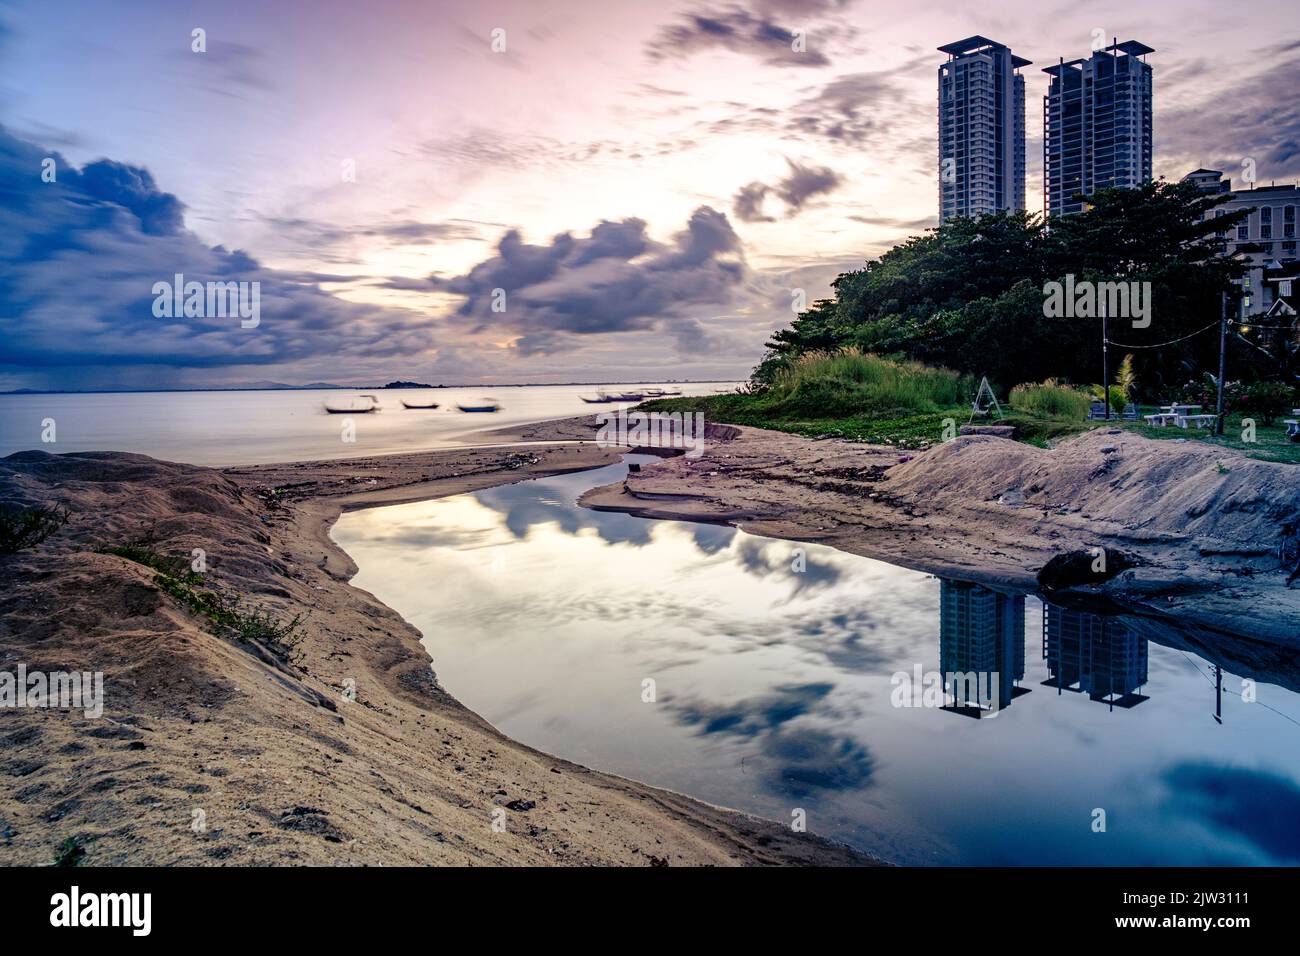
(1271, 442)
(1050, 400)
(910, 406)
(167, 565)
(864, 398)
(69, 853)
(849, 384)
(225, 614)
(902, 431)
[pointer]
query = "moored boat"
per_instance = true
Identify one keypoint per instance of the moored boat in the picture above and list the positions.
(425, 405)
(362, 405)
(489, 405)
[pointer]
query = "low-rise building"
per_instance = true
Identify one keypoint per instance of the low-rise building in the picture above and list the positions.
(1265, 240)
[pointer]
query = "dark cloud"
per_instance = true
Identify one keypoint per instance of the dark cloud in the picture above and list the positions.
(800, 184)
(800, 8)
(82, 254)
(1259, 807)
(617, 279)
(1219, 126)
(851, 109)
(738, 31)
(317, 234)
(804, 182)
(875, 110)
(791, 758)
(748, 204)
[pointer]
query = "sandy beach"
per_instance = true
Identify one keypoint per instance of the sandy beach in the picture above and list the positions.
(281, 765)
(349, 752)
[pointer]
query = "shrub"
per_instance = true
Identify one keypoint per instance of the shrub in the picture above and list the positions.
(1051, 400)
(141, 553)
(1118, 397)
(848, 382)
(22, 528)
(1267, 400)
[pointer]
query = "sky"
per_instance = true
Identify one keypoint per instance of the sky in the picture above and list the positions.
(646, 182)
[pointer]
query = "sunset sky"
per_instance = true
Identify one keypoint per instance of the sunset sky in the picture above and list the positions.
(646, 180)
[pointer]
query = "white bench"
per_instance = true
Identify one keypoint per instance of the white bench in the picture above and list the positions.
(1160, 420)
(1292, 426)
(1197, 421)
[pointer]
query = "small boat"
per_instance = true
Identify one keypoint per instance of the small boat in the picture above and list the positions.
(661, 392)
(601, 396)
(363, 405)
(489, 405)
(627, 397)
(406, 404)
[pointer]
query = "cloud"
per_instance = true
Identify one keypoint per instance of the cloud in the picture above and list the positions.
(1219, 126)
(851, 109)
(82, 254)
(315, 234)
(791, 757)
(748, 204)
(800, 184)
(617, 279)
(228, 68)
(738, 31)
(1258, 807)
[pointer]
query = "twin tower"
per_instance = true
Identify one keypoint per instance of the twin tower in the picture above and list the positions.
(1096, 127)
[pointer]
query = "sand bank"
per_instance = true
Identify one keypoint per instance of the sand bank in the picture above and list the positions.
(211, 752)
(350, 752)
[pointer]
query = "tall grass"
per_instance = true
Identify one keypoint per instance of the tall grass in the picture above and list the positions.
(849, 382)
(1051, 400)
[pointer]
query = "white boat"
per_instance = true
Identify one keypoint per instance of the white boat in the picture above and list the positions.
(362, 405)
(406, 404)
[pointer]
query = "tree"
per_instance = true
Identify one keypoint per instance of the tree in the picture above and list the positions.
(970, 293)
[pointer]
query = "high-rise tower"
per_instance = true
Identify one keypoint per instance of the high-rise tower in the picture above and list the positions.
(1096, 125)
(981, 129)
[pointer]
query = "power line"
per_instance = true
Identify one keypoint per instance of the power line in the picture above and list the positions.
(1160, 345)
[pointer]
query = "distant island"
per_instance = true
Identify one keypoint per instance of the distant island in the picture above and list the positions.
(411, 385)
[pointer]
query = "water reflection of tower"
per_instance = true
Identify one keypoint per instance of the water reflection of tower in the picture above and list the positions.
(1093, 655)
(981, 631)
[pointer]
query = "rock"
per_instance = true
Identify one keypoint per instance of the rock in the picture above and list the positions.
(520, 806)
(1083, 567)
(1108, 449)
(997, 431)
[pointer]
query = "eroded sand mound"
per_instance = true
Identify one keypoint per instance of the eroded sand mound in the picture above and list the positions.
(1122, 482)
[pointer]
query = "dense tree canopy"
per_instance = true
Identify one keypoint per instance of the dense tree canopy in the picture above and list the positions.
(970, 294)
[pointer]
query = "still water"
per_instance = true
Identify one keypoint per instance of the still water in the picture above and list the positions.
(777, 690)
(254, 427)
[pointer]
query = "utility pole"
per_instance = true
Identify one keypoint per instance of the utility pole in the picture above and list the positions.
(1105, 357)
(1223, 357)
